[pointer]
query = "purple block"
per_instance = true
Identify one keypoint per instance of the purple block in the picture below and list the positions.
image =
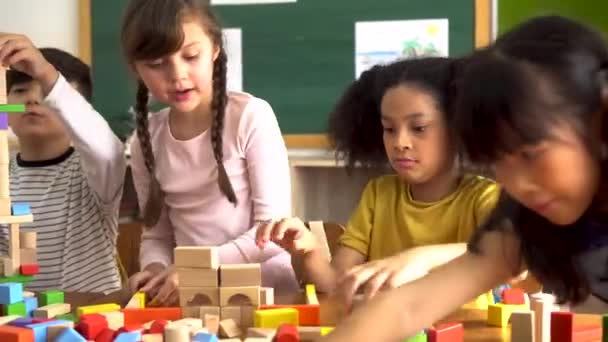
(21, 322)
(3, 121)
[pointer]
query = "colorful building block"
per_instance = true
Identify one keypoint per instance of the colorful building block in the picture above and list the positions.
(587, 333)
(4, 121)
(499, 314)
(67, 317)
(14, 309)
(311, 295)
(204, 337)
(308, 314)
(141, 316)
(15, 334)
(69, 335)
(128, 337)
(85, 310)
(31, 269)
(11, 293)
(326, 330)
(138, 301)
(51, 297)
(158, 326)
(40, 329)
(562, 325)
(12, 108)
(107, 335)
(273, 318)
(91, 325)
(20, 209)
(605, 328)
(21, 322)
(522, 326)
(419, 337)
(448, 332)
(31, 304)
(513, 296)
(17, 278)
(287, 333)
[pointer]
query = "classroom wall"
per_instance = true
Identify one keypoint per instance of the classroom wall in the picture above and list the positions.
(513, 12)
(47, 22)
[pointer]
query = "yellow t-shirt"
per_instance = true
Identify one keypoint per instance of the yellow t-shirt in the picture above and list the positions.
(388, 221)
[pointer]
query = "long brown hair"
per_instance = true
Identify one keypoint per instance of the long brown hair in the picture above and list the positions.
(152, 29)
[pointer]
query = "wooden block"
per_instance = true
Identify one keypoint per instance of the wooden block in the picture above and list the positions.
(28, 256)
(13, 248)
(587, 333)
(152, 338)
(266, 296)
(212, 323)
(289, 333)
(193, 324)
(311, 295)
(309, 333)
(199, 296)
(52, 310)
(247, 316)
(176, 333)
(27, 294)
(197, 277)
(191, 311)
(5, 206)
(52, 331)
(513, 296)
(522, 326)
(309, 315)
(138, 301)
(197, 257)
(16, 219)
(15, 334)
(209, 310)
(4, 182)
(7, 319)
(562, 326)
(261, 332)
(542, 307)
(4, 155)
(443, 332)
(256, 339)
(116, 319)
(239, 296)
(238, 275)
(230, 340)
(229, 328)
(84, 310)
(499, 314)
(231, 312)
(141, 316)
(273, 318)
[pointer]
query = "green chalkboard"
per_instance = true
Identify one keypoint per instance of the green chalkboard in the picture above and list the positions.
(298, 56)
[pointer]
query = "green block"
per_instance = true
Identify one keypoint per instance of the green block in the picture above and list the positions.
(605, 328)
(19, 278)
(14, 309)
(50, 297)
(67, 317)
(12, 108)
(421, 337)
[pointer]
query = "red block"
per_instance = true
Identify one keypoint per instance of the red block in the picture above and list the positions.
(158, 326)
(513, 296)
(90, 326)
(287, 333)
(448, 332)
(29, 269)
(15, 334)
(562, 326)
(309, 314)
(107, 335)
(587, 333)
(142, 316)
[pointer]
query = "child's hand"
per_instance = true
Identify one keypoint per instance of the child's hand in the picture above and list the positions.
(289, 233)
(379, 275)
(18, 52)
(158, 282)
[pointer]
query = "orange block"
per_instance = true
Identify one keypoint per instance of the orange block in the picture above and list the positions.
(138, 317)
(15, 334)
(587, 333)
(309, 313)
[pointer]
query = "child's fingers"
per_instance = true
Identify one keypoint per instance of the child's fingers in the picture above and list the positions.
(374, 284)
(155, 281)
(136, 281)
(164, 294)
(17, 56)
(262, 234)
(9, 48)
(289, 224)
(351, 283)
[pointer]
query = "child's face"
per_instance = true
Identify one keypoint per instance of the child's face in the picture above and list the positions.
(41, 122)
(415, 135)
(183, 80)
(557, 178)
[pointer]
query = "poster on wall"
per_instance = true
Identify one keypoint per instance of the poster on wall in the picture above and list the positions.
(381, 42)
(248, 2)
(234, 51)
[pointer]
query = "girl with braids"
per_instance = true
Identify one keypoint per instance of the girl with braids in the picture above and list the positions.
(212, 165)
(533, 107)
(398, 113)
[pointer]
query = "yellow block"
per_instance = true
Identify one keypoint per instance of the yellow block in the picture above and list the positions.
(273, 318)
(85, 310)
(480, 302)
(326, 330)
(311, 295)
(138, 301)
(499, 314)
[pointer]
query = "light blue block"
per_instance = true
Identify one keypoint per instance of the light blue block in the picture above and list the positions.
(69, 335)
(129, 337)
(11, 293)
(31, 304)
(20, 209)
(40, 330)
(204, 337)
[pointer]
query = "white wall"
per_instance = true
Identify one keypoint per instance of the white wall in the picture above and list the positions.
(49, 23)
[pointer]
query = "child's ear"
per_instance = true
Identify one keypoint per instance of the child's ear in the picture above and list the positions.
(216, 52)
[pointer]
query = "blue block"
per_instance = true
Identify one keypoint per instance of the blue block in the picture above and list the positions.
(31, 304)
(11, 293)
(20, 209)
(204, 337)
(40, 330)
(69, 335)
(129, 337)
(21, 322)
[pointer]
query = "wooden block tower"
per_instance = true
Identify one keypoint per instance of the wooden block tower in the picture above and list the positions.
(13, 214)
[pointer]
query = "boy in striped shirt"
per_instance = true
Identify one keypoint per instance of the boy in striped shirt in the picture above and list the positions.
(70, 168)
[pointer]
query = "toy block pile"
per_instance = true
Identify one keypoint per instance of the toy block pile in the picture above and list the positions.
(20, 263)
(512, 300)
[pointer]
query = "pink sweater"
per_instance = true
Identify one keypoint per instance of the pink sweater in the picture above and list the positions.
(196, 213)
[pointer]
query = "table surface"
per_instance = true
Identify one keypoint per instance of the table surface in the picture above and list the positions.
(474, 321)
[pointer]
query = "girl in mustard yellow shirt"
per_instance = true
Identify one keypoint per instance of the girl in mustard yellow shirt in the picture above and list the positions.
(400, 113)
